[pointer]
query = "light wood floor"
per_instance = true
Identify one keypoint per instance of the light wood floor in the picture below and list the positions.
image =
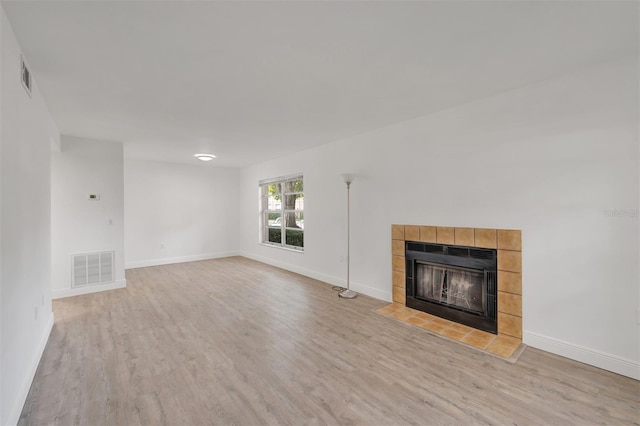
(233, 341)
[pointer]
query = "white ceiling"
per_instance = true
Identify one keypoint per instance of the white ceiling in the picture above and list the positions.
(250, 81)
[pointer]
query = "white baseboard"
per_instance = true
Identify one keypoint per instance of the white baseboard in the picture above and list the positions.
(181, 259)
(369, 291)
(78, 291)
(355, 286)
(588, 356)
(16, 411)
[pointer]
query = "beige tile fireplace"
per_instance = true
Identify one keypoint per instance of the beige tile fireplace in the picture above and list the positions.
(508, 244)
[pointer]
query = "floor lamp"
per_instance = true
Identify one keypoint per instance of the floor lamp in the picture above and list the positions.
(348, 294)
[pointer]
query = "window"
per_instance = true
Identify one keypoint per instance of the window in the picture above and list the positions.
(282, 212)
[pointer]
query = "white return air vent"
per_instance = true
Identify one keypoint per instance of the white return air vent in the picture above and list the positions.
(92, 268)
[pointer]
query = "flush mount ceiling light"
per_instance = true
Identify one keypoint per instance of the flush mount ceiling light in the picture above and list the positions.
(205, 157)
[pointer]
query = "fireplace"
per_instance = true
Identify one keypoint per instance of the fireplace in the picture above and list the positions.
(508, 245)
(454, 282)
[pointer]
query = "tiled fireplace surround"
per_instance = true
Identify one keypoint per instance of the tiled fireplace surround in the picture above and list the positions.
(509, 247)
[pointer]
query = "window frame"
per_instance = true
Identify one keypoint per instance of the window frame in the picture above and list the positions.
(265, 212)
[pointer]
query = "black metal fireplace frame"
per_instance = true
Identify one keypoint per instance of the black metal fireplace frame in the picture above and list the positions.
(481, 260)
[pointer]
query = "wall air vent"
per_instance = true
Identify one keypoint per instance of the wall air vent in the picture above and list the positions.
(92, 268)
(25, 76)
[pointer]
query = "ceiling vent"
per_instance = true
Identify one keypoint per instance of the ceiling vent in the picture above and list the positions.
(91, 268)
(25, 76)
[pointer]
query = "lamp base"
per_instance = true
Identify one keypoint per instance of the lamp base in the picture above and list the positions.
(348, 294)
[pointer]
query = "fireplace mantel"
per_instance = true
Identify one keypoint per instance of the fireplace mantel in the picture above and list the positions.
(508, 244)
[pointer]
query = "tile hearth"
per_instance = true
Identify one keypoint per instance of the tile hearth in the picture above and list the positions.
(503, 346)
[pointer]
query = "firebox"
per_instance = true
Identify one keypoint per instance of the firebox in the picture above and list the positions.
(453, 282)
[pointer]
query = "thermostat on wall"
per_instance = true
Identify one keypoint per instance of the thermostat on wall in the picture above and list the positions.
(94, 197)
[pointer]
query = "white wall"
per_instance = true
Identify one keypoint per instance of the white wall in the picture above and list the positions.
(83, 167)
(25, 267)
(178, 213)
(1, 314)
(548, 159)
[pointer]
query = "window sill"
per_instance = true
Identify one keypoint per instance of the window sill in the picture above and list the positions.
(282, 248)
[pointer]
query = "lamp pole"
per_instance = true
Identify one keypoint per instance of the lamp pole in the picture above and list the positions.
(348, 294)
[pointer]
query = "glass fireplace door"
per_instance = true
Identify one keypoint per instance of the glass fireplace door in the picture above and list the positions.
(456, 287)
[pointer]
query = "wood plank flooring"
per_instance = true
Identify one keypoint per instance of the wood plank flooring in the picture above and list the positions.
(233, 341)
